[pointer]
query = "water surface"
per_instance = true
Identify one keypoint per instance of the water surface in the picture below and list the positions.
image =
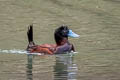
(97, 21)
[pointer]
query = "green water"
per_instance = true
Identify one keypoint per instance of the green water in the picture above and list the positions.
(97, 22)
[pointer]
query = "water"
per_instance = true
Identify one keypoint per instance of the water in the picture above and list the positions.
(65, 68)
(97, 22)
(61, 66)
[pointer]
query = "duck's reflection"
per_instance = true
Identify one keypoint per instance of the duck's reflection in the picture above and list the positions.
(29, 67)
(64, 68)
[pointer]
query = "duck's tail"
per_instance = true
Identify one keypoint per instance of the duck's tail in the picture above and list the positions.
(30, 33)
(30, 36)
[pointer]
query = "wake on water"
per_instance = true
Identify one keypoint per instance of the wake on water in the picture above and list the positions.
(18, 51)
(14, 51)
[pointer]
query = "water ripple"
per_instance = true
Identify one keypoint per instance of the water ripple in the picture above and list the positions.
(18, 51)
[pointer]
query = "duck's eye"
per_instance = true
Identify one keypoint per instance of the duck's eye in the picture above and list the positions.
(64, 33)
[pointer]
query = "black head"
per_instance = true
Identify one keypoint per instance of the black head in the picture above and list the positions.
(60, 34)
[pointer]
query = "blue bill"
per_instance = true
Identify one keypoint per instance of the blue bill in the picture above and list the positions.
(72, 34)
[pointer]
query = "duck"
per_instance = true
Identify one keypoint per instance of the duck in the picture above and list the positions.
(62, 45)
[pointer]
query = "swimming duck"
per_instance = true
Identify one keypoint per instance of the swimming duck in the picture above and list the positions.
(62, 45)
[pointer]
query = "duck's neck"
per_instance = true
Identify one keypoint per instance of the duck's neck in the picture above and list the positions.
(64, 41)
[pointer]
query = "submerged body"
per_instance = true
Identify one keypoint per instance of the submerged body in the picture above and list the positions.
(62, 44)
